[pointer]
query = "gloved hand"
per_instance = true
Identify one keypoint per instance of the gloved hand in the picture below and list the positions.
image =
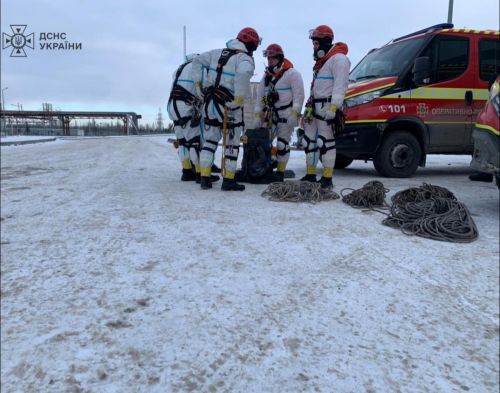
(330, 113)
(199, 89)
(257, 120)
(238, 101)
(293, 119)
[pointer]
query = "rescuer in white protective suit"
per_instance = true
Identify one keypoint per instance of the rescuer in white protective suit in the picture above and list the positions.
(223, 90)
(280, 96)
(328, 87)
(184, 109)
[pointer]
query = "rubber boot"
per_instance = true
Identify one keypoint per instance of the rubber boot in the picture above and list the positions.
(205, 183)
(213, 178)
(231, 185)
(481, 176)
(188, 175)
(309, 178)
(326, 183)
(215, 169)
(280, 176)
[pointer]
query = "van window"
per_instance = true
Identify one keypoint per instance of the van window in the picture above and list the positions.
(489, 58)
(449, 57)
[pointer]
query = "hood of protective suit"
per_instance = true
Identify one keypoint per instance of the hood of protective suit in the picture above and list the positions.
(237, 45)
(191, 56)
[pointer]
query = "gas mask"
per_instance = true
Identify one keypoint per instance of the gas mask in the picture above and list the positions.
(322, 50)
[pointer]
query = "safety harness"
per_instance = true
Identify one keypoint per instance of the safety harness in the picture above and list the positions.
(270, 99)
(220, 95)
(338, 122)
(179, 93)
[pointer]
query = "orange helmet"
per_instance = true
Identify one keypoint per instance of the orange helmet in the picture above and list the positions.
(249, 35)
(273, 50)
(321, 32)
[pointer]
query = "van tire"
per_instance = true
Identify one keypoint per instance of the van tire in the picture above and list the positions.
(398, 155)
(342, 161)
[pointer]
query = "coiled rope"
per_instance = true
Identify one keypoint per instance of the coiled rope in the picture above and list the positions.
(372, 194)
(422, 193)
(431, 212)
(298, 191)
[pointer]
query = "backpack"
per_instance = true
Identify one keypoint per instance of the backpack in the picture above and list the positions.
(256, 165)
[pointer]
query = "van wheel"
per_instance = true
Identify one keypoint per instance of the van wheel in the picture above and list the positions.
(497, 179)
(398, 155)
(342, 161)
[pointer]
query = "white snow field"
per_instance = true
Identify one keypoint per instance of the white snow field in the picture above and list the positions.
(118, 277)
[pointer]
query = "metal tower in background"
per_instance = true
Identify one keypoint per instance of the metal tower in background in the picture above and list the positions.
(159, 120)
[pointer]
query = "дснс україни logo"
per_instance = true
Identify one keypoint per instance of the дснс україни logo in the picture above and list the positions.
(18, 41)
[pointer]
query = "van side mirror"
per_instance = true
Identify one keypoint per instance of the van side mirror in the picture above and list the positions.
(421, 71)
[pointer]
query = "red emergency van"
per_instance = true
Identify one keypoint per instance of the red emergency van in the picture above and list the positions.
(419, 94)
(486, 135)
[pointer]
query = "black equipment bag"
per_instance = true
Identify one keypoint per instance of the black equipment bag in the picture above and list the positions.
(256, 165)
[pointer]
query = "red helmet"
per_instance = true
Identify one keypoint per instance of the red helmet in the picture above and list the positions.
(320, 32)
(273, 50)
(249, 35)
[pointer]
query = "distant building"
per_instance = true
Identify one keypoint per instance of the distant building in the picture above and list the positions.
(250, 105)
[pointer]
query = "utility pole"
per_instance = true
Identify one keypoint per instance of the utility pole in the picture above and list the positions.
(184, 40)
(450, 11)
(3, 99)
(17, 128)
(4, 121)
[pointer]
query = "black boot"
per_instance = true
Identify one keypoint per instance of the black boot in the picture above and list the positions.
(215, 169)
(280, 176)
(205, 183)
(213, 178)
(188, 175)
(326, 182)
(231, 185)
(310, 178)
(481, 176)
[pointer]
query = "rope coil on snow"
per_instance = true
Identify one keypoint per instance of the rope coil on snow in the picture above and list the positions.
(298, 191)
(422, 193)
(370, 195)
(432, 212)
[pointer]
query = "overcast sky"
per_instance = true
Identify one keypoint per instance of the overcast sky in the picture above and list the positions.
(131, 48)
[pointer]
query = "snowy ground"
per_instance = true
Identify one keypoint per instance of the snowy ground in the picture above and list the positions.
(117, 277)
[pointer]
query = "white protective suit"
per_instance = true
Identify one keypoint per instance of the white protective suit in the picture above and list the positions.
(180, 112)
(331, 81)
(235, 78)
(290, 89)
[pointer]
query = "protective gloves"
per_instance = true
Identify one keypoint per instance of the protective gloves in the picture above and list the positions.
(330, 113)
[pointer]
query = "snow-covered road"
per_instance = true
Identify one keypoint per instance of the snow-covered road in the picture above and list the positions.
(117, 277)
